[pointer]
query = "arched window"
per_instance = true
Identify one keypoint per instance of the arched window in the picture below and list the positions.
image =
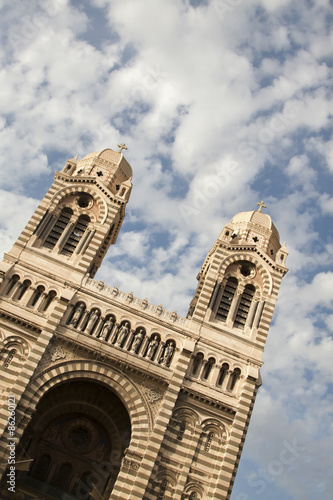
(228, 295)
(36, 295)
(23, 288)
(12, 282)
(58, 228)
(235, 376)
(208, 368)
(244, 306)
(76, 235)
(62, 477)
(50, 297)
(41, 469)
(197, 363)
(223, 373)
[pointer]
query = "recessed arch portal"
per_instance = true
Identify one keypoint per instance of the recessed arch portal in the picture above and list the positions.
(77, 438)
(87, 391)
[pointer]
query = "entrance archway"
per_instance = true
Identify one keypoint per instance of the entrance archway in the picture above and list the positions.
(77, 439)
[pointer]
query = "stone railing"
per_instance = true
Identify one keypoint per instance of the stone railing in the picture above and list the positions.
(128, 298)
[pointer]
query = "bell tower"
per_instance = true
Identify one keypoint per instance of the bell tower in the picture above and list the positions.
(78, 218)
(232, 309)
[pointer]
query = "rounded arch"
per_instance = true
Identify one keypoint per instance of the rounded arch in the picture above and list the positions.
(210, 363)
(13, 281)
(80, 423)
(15, 342)
(167, 475)
(261, 269)
(213, 425)
(187, 415)
(197, 362)
(236, 366)
(196, 488)
(115, 380)
(71, 191)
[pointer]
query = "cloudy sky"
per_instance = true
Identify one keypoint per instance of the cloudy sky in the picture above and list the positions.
(222, 103)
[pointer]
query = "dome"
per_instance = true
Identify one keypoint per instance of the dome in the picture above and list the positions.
(113, 157)
(257, 218)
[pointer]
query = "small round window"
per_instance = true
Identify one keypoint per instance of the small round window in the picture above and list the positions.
(248, 270)
(85, 201)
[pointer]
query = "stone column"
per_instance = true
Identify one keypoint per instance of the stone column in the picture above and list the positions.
(258, 314)
(40, 299)
(159, 351)
(64, 236)
(250, 316)
(233, 308)
(113, 334)
(129, 339)
(215, 374)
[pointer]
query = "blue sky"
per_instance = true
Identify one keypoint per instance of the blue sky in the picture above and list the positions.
(222, 103)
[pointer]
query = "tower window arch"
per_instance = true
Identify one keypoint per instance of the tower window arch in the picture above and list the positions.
(23, 288)
(244, 306)
(76, 235)
(50, 297)
(58, 228)
(197, 363)
(223, 374)
(37, 294)
(234, 378)
(12, 282)
(227, 297)
(208, 368)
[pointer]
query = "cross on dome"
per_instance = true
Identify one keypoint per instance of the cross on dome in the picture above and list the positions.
(261, 206)
(121, 146)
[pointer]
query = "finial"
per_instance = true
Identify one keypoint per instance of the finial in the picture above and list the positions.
(261, 206)
(76, 157)
(121, 146)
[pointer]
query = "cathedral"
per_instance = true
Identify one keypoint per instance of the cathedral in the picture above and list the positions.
(105, 395)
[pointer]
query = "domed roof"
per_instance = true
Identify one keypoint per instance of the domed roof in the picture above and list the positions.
(258, 218)
(114, 157)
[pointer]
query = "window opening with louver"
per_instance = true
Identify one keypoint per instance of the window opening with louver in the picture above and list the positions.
(244, 306)
(58, 228)
(228, 295)
(75, 235)
(42, 468)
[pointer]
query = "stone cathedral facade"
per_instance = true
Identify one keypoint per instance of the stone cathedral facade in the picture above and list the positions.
(107, 396)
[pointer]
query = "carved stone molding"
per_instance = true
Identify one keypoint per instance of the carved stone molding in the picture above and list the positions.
(54, 353)
(130, 464)
(154, 395)
(57, 353)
